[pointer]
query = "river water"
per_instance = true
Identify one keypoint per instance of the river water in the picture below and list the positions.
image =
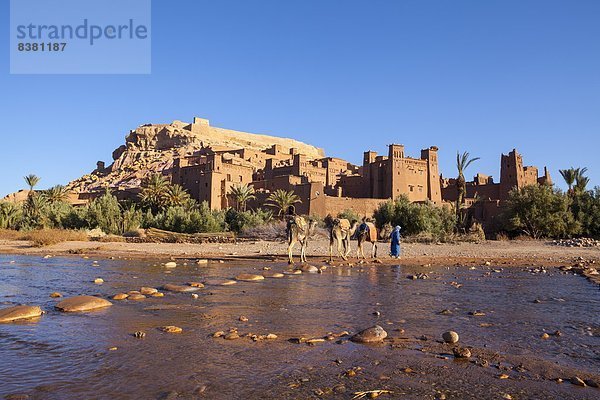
(69, 356)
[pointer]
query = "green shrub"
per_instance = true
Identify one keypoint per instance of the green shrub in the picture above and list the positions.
(350, 215)
(540, 211)
(237, 221)
(416, 219)
(586, 210)
(104, 212)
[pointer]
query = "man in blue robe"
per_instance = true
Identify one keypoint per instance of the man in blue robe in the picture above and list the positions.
(395, 242)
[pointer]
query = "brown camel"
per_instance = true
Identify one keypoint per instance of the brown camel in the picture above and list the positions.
(367, 232)
(299, 231)
(340, 231)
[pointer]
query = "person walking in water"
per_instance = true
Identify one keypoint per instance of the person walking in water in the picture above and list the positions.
(395, 243)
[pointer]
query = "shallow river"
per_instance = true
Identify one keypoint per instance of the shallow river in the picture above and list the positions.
(67, 356)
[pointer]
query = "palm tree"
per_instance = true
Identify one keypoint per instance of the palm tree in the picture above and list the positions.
(154, 191)
(581, 181)
(569, 175)
(463, 161)
(282, 200)
(31, 180)
(175, 195)
(57, 194)
(242, 194)
(574, 178)
(9, 215)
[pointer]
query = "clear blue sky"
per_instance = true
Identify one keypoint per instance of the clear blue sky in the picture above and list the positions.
(481, 76)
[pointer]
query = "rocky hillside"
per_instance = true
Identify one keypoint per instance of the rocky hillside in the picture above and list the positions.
(153, 147)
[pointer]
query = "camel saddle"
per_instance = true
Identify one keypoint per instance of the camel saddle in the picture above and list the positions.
(372, 232)
(344, 224)
(300, 222)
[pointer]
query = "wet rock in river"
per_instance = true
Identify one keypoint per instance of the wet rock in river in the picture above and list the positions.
(98, 281)
(179, 288)
(55, 295)
(461, 352)
(219, 282)
(148, 291)
(16, 313)
(158, 294)
(231, 336)
(196, 284)
(271, 274)
(82, 303)
(17, 396)
(577, 381)
(243, 318)
(477, 313)
(592, 383)
(170, 264)
(249, 277)
(311, 269)
(370, 335)
(545, 336)
(171, 329)
(450, 337)
(120, 296)
(445, 312)
(136, 297)
(292, 272)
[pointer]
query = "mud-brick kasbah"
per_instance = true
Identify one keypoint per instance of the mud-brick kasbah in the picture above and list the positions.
(207, 161)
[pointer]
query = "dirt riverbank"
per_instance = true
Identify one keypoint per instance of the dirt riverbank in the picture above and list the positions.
(495, 253)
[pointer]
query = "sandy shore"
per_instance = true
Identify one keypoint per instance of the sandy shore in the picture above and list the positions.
(495, 253)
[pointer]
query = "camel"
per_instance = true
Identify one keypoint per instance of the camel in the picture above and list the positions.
(366, 235)
(340, 231)
(299, 231)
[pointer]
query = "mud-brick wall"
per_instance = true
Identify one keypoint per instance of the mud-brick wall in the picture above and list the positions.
(335, 205)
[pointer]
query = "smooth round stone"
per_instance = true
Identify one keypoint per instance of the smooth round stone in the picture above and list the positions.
(294, 272)
(249, 277)
(120, 296)
(311, 269)
(159, 294)
(134, 292)
(136, 297)
(98, 281)
(148, 290)
(219, 282)
(179, 288)
(232, 336)
(170, 264)
(450, 337)
(171, 329)
(82, 303)
(55, 295)
(272, 274)
(196, 284)
(370, 335)
(16, 313)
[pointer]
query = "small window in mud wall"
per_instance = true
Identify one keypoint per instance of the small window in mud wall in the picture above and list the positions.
(241, 178)
(420, 188)
(228, 177)
(411, 188)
